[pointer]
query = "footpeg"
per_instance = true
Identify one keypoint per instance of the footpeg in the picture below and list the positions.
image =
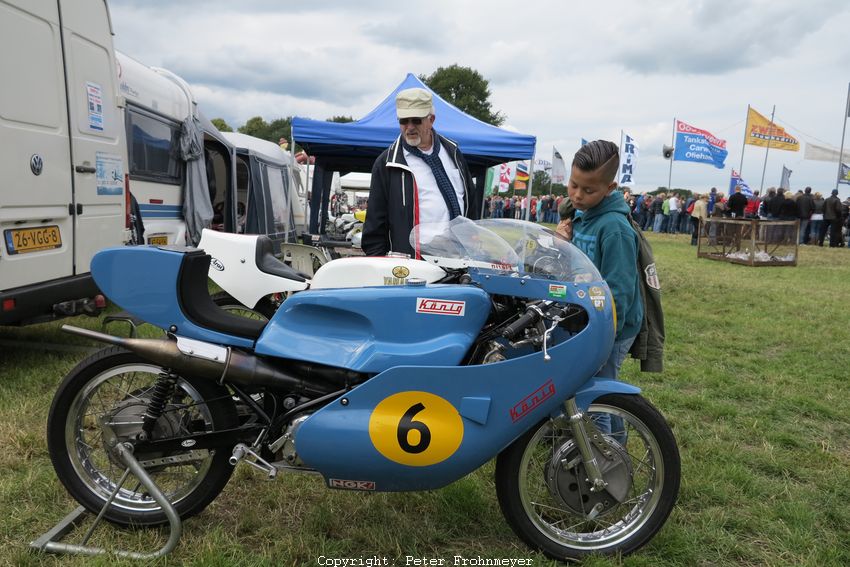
(242, 452)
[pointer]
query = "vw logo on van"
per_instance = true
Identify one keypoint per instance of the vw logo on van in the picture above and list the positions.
(36, 164)
(217, 264)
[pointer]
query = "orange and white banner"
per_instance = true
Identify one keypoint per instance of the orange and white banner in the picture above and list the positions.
(760, 132)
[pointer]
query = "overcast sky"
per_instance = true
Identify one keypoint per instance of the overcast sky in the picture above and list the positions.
(558, 70)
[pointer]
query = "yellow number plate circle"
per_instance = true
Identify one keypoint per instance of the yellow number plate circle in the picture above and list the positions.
(416, 428)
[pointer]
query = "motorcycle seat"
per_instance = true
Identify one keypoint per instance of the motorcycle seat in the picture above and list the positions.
(198, 306)
(268, 263)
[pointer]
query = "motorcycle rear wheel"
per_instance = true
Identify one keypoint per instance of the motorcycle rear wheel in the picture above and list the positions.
(545, 498)
(116, 385)
(263, 311)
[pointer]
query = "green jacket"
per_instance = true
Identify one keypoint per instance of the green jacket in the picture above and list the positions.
(605, 234)
(649, 342)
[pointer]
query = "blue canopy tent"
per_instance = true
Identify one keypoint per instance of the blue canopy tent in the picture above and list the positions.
(353, 146)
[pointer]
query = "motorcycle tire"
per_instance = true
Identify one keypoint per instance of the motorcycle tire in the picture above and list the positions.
(263, 311)
(116, 384)
(545, 497)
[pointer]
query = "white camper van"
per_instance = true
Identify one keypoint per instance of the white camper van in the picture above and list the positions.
(81, 130)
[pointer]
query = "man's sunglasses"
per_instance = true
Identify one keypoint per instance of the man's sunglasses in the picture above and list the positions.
(405, 121)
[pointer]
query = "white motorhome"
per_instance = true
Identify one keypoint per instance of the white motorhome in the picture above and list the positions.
(82, 129)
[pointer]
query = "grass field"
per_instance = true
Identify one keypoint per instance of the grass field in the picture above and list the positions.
(756, 388)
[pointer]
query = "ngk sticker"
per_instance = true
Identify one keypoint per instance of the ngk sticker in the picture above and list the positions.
(351, 484)
(440, 306)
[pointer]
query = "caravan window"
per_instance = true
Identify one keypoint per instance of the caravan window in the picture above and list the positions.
(277, 180)
(154, 143)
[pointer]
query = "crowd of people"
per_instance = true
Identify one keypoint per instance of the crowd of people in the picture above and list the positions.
(822, 219)
(543, 208)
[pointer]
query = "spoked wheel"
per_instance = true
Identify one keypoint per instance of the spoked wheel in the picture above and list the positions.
(263, 311)
(107, 394)
(543, 491)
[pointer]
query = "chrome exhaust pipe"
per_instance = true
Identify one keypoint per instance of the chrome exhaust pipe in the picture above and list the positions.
(207, 360)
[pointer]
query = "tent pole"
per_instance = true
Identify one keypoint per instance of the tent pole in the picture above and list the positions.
(528, 192)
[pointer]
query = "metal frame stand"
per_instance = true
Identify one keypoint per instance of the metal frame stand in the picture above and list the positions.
(51, 541)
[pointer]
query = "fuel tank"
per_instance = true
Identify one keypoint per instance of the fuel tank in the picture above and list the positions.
(372, 271)
(375, 328)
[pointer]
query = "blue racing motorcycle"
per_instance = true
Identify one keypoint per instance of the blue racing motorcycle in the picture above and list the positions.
(385, 388)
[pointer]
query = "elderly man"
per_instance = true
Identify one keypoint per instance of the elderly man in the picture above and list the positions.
(421, 178)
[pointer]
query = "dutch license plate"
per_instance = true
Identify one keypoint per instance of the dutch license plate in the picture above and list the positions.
(158, 240)
(22, 240)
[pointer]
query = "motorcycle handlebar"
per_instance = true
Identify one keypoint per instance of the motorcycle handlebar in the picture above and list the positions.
(530, 317)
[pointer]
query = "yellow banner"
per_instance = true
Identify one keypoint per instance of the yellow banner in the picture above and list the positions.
(760, 130)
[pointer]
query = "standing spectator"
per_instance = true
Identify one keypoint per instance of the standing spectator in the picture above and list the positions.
(647, 212)
(789, 211)
(737, 203)
(699, 216)
(673, 220)
(816, 225)
(806, 205)
(833, 213)
(751, 211)
(657, 212)
(420, 178)
(665, 214)
(685, 214)
(712, 198)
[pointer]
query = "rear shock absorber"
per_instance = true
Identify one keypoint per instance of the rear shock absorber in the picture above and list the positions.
(162, 391)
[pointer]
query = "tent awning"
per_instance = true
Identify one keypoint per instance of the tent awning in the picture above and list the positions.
(353, 146)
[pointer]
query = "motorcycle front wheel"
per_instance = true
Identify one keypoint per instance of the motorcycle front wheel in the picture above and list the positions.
(113, 388)
(545, 497)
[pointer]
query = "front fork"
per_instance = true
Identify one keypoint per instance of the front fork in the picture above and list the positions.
(586, 435)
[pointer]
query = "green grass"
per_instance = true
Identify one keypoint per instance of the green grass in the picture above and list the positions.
(756, 387)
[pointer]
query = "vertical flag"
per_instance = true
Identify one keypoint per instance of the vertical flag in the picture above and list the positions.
(738, 180)
(760, 131)
(628, 156)
(489, 178)
(845, 174)
(785, 181)
(559, 168)
(505, 174)
(521, 179)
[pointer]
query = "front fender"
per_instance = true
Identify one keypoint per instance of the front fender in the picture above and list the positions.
(598, 387)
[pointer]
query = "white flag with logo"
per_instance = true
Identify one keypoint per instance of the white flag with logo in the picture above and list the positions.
(821, 153)
(559, 168)
(505, 177)
(628, 157)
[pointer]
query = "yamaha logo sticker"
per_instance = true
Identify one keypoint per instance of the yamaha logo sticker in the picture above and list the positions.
(401, 272)
(440, 306)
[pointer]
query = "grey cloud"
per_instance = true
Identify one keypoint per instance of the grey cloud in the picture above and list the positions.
(712, 39)
(401, 35)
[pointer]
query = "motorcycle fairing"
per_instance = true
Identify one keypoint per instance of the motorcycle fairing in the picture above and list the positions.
(373, 329)
(491, 405)
(154, 295)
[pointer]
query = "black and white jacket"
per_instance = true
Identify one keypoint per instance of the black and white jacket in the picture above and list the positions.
(393, 208)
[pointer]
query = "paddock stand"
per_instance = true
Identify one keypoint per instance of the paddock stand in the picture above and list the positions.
(51, 541)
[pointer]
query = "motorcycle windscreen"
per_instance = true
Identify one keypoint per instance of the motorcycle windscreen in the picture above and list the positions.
(376, 328)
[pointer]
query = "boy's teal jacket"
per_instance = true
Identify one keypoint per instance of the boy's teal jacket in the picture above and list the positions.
(605, 234)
